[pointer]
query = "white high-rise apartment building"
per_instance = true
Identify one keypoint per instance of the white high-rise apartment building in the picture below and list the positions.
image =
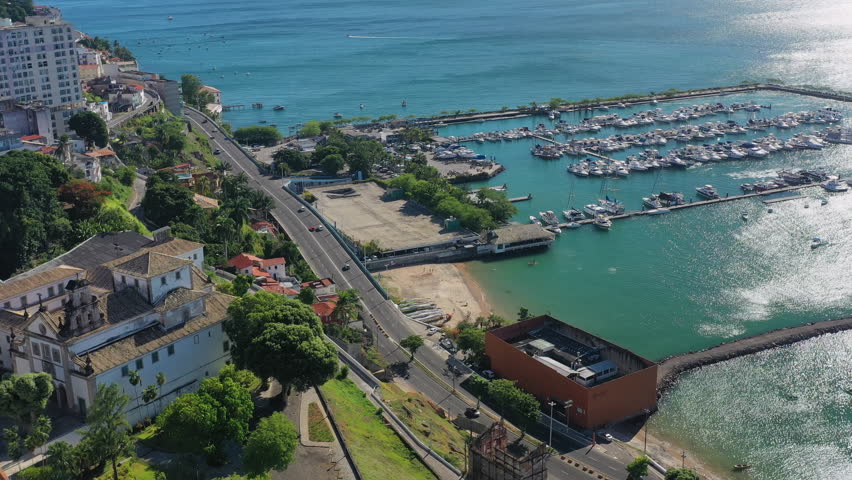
(38, 63)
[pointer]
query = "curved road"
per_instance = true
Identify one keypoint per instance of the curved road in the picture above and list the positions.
(327, 257)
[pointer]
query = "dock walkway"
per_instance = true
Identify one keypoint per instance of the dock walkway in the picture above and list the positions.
(730, 198)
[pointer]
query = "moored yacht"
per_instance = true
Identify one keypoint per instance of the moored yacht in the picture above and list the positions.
(707, 191)
(602, 222)
(834, 185)
(573, 215)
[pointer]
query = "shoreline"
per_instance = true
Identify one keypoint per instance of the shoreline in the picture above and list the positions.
(477, 292)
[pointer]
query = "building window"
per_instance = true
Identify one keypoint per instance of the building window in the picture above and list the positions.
(226, 346)
(60, 288)
(140, 364)
(195, 340)
(171, 350)
(177, 275)
(36, 350)
(125, 371)
(23, 301)
(7, 305)
(55, 352)
(136, 282)
(155, 357)
(50, 291)
(162, 280)
(123, 279)
(195, 256)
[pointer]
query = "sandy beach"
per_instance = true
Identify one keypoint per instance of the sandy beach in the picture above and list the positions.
(449, 285)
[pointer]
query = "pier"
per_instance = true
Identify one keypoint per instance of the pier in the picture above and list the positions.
(730, 198)
(228, 108)
(521, 199)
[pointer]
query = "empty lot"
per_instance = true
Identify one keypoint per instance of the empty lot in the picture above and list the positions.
(364, 216)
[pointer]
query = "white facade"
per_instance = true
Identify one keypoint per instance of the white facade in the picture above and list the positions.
(38, 62)
(51, 291)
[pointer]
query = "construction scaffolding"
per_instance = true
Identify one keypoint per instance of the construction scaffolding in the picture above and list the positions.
(490, 459)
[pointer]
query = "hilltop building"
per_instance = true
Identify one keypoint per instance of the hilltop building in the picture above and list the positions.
(114, 304)
(38, 63)
(558, 362)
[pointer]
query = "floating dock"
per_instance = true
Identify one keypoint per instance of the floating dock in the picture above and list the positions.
(730, 198)
(521, 199)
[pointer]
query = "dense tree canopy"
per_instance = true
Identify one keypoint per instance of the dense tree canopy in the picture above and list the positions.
(17, 10)
(114, 48)
(293, 159)
(166, 201)
(681, 474)
(31, 218)
(192, 94)
(109, 432)
(638, 468)
(218, 411)
(91, 128)
(281, 338)
(412, 343)
(257, 135)
(270, 446)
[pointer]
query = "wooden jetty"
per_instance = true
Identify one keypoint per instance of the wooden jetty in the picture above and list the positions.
(228, 108)
(636, 213)
(521, 199)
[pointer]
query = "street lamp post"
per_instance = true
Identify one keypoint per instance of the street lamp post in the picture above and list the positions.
(552, 404)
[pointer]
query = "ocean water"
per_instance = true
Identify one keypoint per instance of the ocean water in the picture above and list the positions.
(787, 412)
(660, 285)
(447, 55)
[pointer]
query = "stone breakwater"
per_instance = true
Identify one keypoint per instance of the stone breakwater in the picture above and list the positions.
(670, 368)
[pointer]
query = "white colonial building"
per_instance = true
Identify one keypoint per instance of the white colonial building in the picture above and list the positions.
(125, 303)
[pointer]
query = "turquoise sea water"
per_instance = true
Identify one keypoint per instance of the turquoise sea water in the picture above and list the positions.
(657, 285)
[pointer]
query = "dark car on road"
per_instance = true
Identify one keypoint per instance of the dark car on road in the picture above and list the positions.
(217, 151)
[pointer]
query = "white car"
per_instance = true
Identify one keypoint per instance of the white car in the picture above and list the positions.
(433, 331)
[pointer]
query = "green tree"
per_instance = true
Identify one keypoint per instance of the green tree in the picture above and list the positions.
(149, 394)
(17, 10)
(348, 306)
(411, 343)
(524, 314)
(161, 380)
(39, 433)
(165, 203)
(32, 221)
(91, 128)
(245, 378)
(218, 411)
(257, 135)
(681, 474)
(294, 159)
(310, 129)
(270, 446)
(281, 338)
(126, 175)
(64, 460)
(332, 164)
(24, 397)
(192, 93)
(638, 468)
(240, 285)
(109, 432)
(502, 392)
(472, 340)
(307, 296)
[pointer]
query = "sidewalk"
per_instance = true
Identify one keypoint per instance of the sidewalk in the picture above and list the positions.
(65, 429)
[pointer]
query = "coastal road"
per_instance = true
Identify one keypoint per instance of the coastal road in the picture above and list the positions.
(327, 257)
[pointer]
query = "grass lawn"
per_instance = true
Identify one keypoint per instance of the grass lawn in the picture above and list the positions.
(200, 145)
(135, 469)
(418, 414)
(318, 429)
(378, 451)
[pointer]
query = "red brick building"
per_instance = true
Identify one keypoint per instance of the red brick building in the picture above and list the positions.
(556, 361)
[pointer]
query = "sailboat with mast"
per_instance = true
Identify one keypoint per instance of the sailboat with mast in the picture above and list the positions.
(610, 206)
(572, 214)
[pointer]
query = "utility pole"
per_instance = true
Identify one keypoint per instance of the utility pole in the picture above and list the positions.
(550, 440)
(683, 459)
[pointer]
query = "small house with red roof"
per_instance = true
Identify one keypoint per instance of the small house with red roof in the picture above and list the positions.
(259, 268)
(264, 227)
(322, 287)
(325, 310)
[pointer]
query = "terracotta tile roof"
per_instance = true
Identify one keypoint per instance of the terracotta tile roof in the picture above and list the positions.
(154, 338)
(259, 272)
(174, 246)
(260, 225)
(147, 264)
(208, 88)
(116, 307)
(205, 202)
(277, 288)
(19, 285)
(273, 261)
(325, 282)
(178, 297)
(324, 309)
(243, 260)
(48, 149)
(103, 152)
(30, 138)
(10, 319)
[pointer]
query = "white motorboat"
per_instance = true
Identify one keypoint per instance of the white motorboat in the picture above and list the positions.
(554, 229)
(572, 225)
(657, 211)
(834, 185)
(652, 202)
(593, 210)
(707, 191)
(744, 216)
(817, 242)
(602, 222)
(548, 217)
(573, 215)
(534, 220)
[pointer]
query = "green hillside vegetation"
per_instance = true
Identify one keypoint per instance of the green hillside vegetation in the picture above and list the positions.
(165, 142)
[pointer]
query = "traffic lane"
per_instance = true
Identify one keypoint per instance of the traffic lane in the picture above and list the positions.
(326, 246)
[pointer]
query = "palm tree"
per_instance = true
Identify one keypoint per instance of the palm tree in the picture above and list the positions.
(135, 380)
(161, 380)
(225, 230)
(348, 306)
(238, 210)
(262, 202)
(223, 167)
(148, 396)
(63, 148)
